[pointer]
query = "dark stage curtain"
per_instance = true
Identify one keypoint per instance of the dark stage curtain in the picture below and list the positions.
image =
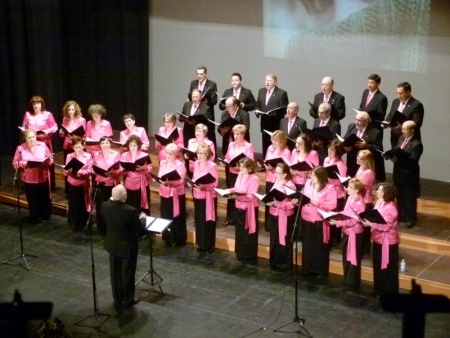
(90, 51)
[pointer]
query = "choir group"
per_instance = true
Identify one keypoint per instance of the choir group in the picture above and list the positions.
(311, 193)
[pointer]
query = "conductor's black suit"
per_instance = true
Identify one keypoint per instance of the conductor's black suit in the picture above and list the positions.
(121, 241)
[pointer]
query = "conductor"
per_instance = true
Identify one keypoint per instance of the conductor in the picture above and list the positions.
(121, 241)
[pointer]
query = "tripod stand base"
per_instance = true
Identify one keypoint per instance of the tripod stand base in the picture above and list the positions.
(155, 279)
(299, 321)
(97, 319)
(24, 257)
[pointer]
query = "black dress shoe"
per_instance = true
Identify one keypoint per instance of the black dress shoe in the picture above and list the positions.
(410, 224)
(131, 302)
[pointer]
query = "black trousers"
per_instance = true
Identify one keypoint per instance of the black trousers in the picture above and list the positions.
(77, 214)
(39, 202)
(352, 273)
(385, 280)
(176, 233)
(134, 199)
(246, 245)
(205, 231)
(315, 253)
(408, 192)
(280, 255)
(122, 274)
(230, 181)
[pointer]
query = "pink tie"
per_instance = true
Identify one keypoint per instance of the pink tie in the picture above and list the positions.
(369, 97)
(326, 98)
(194, 109)
(235, 94)
(200, 86)
(405, 142)
(359, 134)
(322, 123)
(290, 125)
(268, 96)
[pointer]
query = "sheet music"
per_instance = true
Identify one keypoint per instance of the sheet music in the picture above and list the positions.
(157, 225)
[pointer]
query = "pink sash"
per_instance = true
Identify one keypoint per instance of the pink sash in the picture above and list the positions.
(210, 212)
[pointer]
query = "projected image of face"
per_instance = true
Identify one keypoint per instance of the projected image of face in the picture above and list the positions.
(356, 33)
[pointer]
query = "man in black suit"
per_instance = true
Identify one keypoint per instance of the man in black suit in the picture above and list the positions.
(123, 227)
(411, 108)
(240, 115)
(370, 141)
(406, 174)
(196, 107)
(245, 96)
(375, 103)
(328, 95)
(271, 97)
(324, 119)
(208, 90)
(292, 124)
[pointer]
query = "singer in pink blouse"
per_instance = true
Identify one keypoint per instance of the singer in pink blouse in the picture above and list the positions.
(130, 123)
(137, 182)
(366, 173)
(35, 178)
(335, 152)
(72, 119)
(316, 231)
(173, 198)
(44, 124)
(239, 146)
(386, 240)
(277, 149)
(105, 159)
(245, 214)
(205, 201)
(201, 132)
(352, 228)
(79, 187)
(98, 127)
(281, 220)
(170, 120)
(303, 152)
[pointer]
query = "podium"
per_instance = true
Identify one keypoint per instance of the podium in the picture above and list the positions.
(154, 225)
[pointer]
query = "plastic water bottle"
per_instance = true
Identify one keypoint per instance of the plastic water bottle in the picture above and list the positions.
(402, 265)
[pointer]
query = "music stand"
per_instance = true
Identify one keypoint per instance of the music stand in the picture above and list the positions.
(154, 225)
(22, 254)
(294, 240)
(97, 314)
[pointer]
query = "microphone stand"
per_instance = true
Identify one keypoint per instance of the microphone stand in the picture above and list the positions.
(294, 239)
(97, 314)
(22, 254)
